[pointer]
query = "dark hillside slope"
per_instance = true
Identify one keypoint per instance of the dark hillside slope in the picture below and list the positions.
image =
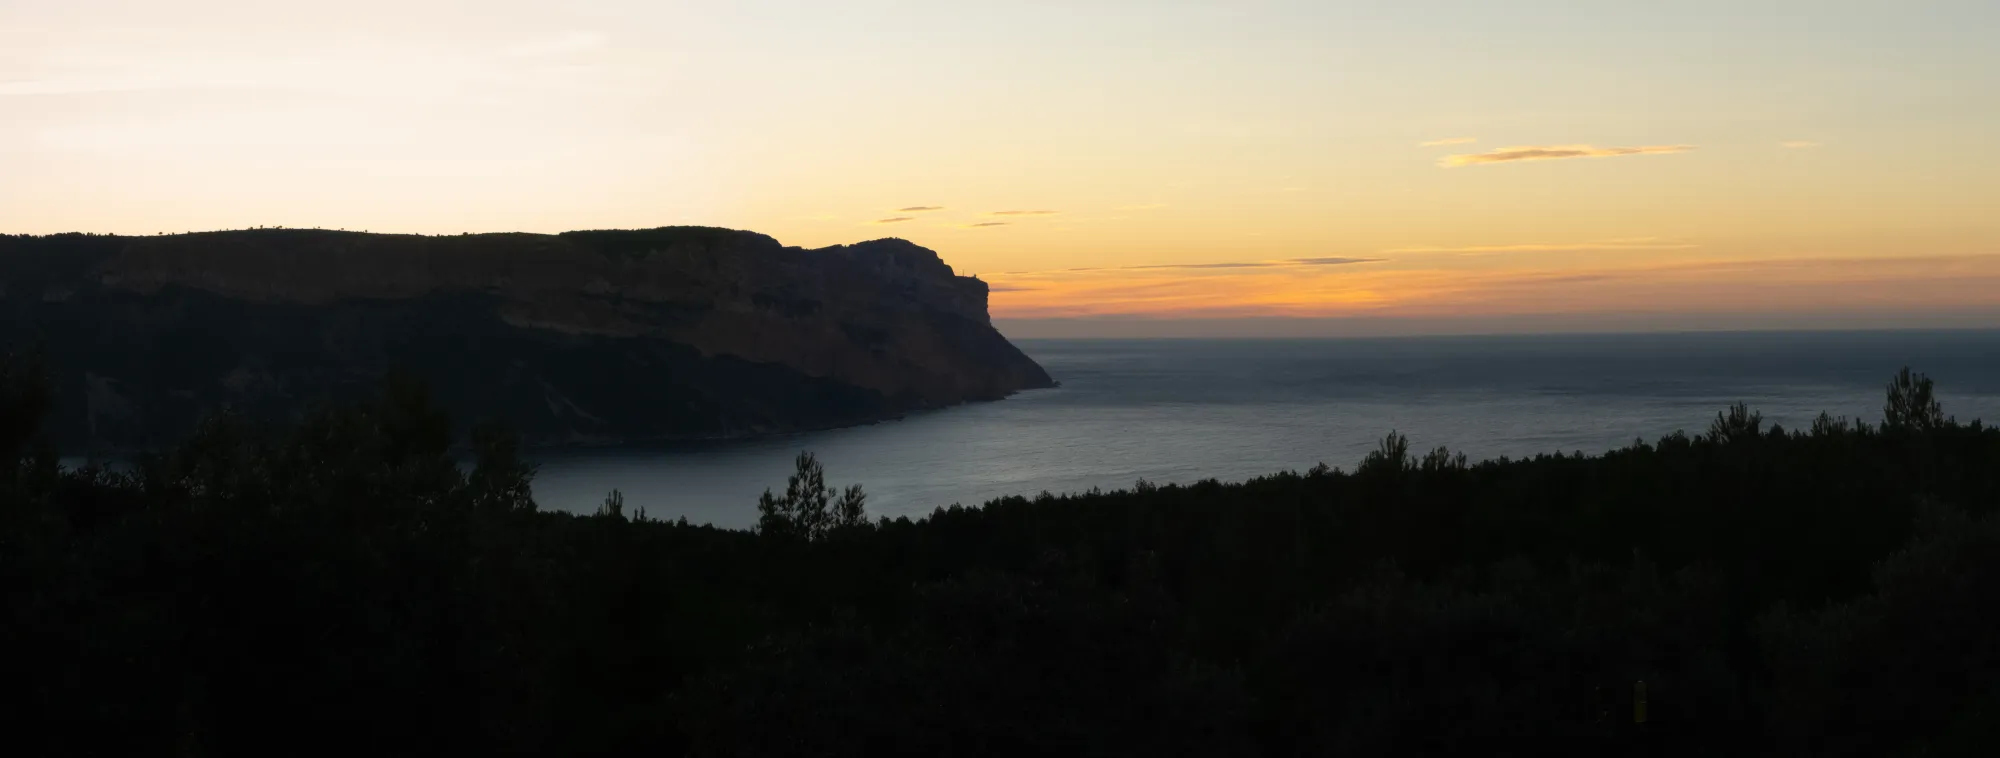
(584, 336)
(343, 587)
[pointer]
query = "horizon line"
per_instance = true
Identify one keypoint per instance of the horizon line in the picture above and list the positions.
(1628, 330)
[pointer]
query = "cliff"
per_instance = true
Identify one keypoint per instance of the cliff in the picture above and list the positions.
(673, 333)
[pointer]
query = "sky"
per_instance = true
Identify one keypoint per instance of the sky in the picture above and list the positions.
(1153, 168)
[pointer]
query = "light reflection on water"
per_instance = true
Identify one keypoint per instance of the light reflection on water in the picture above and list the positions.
(1184, 410)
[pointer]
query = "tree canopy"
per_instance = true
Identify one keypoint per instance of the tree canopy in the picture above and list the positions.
(344, 585)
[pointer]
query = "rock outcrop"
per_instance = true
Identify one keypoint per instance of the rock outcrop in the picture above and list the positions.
(673, 333)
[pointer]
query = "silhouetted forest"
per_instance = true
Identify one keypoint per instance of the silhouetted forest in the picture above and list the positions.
(343, 586)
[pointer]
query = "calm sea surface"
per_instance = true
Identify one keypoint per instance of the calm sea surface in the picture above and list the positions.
(1186, 410)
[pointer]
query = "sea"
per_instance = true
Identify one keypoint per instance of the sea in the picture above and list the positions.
(1167, 410)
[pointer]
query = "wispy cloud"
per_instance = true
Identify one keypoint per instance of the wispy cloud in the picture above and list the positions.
(1799, 143)
(1023, 213)
(1008, 288)
(1623, 243)
(1052, 271)
(1555, 152)
(1207, 265)
(1220, 265)
(920, 208)
(1331, 261)
(1448, 141)
(1721, 287)
(985, 224)
(1264, 264)
(1247, 291)
(895, 220)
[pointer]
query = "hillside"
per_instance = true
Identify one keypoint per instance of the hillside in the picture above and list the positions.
(682, 332)
(345, 587)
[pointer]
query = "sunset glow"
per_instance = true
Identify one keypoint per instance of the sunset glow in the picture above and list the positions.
(1156, 160)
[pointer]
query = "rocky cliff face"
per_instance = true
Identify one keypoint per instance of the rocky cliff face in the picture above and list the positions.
(585, 336)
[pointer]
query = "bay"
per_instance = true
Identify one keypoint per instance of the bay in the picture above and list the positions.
(1186, 410)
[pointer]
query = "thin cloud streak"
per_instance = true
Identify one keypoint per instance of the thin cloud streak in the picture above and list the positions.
(1642, 243)
(1688, 288)
(1218, 266)
(1331, 261)
(1554, 152)
(1203, 265)
(896, 220)
(985, 224)
(1262, 264)
(920, 208)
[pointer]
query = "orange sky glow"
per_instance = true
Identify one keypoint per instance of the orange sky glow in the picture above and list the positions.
(1105, 160)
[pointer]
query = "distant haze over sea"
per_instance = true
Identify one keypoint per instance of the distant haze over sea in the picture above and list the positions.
(1182, 410)
(1136, 327)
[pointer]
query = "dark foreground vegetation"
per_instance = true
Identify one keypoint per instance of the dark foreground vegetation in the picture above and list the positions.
(342, 586)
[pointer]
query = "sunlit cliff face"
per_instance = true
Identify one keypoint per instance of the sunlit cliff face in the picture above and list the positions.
(1189, 160)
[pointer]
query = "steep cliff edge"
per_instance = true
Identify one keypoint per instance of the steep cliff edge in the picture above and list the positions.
(673, 333)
